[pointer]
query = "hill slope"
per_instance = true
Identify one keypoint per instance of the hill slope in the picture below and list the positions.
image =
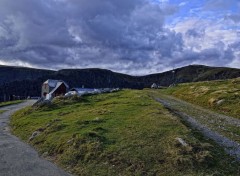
(221, 95)
(121, 133)
(11, 74)
(191, 73)
(27, 81)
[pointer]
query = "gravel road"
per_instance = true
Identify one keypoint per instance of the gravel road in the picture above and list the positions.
(217, 127)
(18, 158)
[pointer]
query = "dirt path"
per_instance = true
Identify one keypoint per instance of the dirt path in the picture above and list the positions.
(18, 158)
(224, 130)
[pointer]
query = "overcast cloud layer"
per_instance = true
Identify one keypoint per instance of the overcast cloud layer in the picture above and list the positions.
(129, 36)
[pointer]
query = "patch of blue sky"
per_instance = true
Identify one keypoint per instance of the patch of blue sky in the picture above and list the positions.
(199, 10)
(186, 9)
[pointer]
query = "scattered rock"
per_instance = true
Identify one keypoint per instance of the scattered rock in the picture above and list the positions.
(97, 119)
(36, 133)
(219, 102)
(45, 154)
(70, 141)
(182, 142)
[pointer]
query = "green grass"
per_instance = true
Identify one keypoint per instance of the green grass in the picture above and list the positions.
(220, 96)
(2, 104)
(122, 133)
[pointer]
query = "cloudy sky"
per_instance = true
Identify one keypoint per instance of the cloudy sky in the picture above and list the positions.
(129, 36)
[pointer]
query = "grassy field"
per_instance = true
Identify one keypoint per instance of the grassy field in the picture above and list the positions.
(220, 96)
(10, 103)
(122, 133)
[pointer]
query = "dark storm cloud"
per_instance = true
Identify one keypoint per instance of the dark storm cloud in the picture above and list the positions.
(127, 36)
(235, 45)
(84, 32)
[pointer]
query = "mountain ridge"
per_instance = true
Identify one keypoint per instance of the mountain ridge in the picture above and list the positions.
(24, 81)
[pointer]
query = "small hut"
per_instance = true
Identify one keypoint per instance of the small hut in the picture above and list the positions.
(52, 88)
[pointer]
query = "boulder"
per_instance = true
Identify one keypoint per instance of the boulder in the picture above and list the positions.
(35, 134)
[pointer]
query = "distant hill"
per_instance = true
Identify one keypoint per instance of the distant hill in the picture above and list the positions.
(192, 73)
(11, 74)
(27, 81)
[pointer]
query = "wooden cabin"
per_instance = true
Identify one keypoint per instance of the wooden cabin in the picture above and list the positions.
(53, 88)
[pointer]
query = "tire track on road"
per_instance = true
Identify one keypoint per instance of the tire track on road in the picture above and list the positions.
(196, 120)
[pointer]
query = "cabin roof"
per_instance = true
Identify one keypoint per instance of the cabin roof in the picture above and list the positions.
(53, 83)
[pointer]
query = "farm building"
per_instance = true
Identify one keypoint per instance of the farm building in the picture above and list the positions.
(52, 88)
(81, 91)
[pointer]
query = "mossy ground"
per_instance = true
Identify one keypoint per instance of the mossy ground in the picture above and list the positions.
(222, 96)
(122, 133)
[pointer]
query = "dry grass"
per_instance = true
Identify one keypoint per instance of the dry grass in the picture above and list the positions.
(220, 96)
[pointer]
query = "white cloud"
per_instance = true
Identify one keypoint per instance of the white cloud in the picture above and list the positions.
(183, 3)
(213, 33)
(236, 62)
